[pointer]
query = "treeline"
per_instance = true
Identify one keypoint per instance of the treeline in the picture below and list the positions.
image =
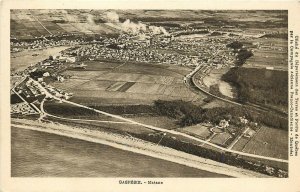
(66, 110)
(242, 53)
(159, 19)
(277, 35)
(235, 45)
(163, 24)
(14, 98)
(216, 33)
(223, 157)
(242, 56)
(192, 32)
(127, 109)
(259, 86)
(218, 21)
(188, 114)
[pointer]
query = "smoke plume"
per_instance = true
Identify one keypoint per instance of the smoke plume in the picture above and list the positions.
(132, 27)
(112, 17)
(90, 19)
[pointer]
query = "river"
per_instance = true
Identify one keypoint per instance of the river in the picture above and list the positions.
(19, 61)
(38, 154)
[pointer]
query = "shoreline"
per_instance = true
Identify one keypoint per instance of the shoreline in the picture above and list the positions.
(135, 145)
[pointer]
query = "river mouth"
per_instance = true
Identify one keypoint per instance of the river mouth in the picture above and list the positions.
(23, 59)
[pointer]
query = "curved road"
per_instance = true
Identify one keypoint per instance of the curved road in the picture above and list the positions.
(189, 81)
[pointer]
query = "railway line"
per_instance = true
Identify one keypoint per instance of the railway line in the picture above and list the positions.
(191, 83)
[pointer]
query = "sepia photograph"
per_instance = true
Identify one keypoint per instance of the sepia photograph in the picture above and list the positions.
(149, 93)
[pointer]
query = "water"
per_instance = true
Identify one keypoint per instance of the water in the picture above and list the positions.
(38, 154)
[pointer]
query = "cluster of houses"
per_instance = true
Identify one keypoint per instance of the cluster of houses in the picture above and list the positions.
(36, 88)
(223, 124)
(32, 89)
(268, 46)
(187, 52)
(57, 93)
(42, 43)
(21, 108)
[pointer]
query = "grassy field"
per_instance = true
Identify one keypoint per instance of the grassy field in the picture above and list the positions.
(74, 112)
(269, 142)
(114, 128)
(239, 146)
(158, 121)
(69, 83)
(199, 130)
(220, 139)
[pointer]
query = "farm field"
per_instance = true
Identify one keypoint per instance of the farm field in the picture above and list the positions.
(135, 83)
(28, 24)
(276, 55)
(68, 84)
(269, 142)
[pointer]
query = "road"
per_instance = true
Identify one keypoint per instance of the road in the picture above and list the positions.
(237, 139)
(40, 23)
(43, 113)
(162, 129)
(31, 105)
(190, 82)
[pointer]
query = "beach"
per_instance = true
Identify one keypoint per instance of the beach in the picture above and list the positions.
(39, 154)
(127, 143)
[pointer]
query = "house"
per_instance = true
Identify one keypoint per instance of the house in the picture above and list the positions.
(70, 59)
(244, 120)
(60, 78)
(223, 124)
(46, 74)
(56, 56)
(249, 133)
(40, 79)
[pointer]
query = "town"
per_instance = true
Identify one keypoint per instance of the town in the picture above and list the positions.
(177, 83)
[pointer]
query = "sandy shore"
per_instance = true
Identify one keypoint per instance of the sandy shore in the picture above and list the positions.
(137, 146)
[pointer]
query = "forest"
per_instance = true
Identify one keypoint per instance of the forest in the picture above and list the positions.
(260, 86)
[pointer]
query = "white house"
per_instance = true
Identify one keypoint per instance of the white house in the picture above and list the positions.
(223, 124)
(70, 59)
